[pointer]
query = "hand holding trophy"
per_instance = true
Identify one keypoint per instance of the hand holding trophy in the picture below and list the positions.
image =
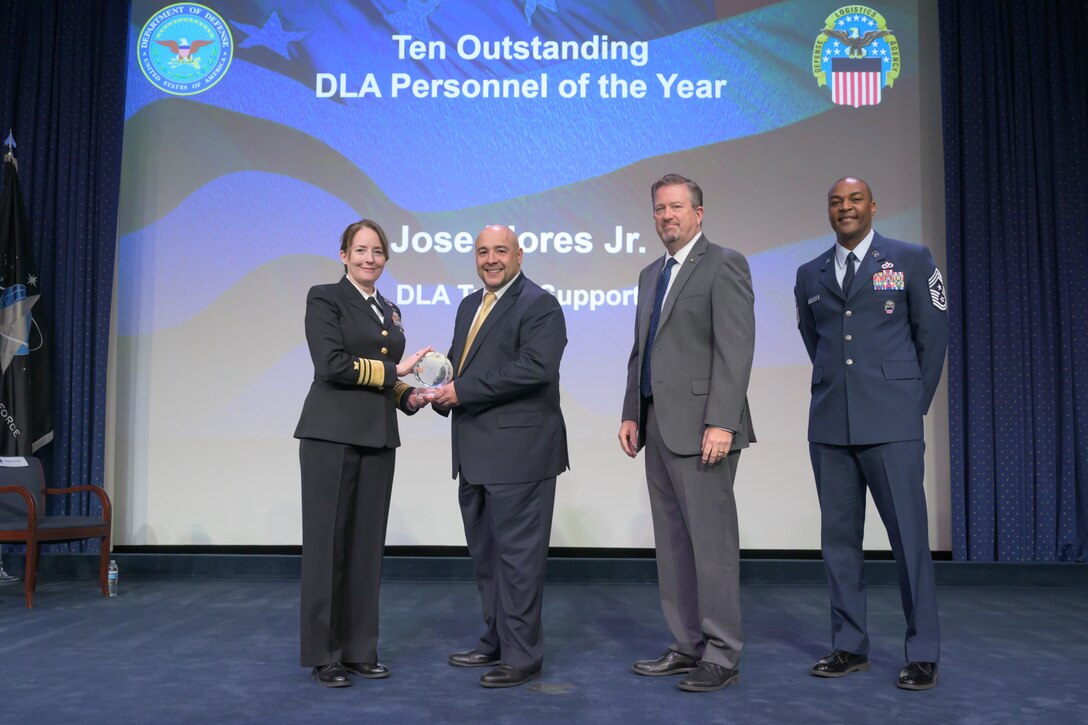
(433, 371)
(410, 364)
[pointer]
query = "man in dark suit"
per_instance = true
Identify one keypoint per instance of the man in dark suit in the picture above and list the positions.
(509, 444)
(872, 314)
(686, 403)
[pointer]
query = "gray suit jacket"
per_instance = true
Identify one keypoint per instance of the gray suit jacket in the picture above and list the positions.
(702, 356)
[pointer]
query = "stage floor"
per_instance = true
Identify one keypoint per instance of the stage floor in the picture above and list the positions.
(226, 650)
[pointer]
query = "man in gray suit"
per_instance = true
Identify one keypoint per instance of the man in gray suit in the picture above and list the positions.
(509, 445)
(686, 403)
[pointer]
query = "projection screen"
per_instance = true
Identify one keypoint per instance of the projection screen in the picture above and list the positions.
(255, 131)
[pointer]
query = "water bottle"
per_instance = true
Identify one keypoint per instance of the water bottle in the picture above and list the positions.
(111, 578)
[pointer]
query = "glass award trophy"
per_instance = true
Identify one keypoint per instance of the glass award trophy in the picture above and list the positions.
(434, 370)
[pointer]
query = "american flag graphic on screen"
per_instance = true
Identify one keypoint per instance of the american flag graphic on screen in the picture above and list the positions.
(856, 81)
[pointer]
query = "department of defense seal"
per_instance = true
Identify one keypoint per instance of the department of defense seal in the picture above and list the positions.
(185, 49)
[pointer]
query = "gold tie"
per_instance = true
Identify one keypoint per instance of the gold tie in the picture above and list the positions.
(489, 301)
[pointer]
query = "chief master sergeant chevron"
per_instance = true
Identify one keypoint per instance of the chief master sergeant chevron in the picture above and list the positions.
(872, 314)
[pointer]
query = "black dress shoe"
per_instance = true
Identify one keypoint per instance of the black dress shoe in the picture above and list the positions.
(473, 658)
(333, 675)
(918, 676)
(839, 664)
(670, 663)
(707, 677)
(369, 670)
(507, 676)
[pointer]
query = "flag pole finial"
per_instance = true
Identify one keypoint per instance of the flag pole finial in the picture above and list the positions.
(9, 155)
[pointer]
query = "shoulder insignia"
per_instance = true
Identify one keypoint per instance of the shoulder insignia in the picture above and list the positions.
(936, 290)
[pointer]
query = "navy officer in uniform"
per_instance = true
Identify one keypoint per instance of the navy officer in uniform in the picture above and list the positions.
(348, 437)
(872, 314)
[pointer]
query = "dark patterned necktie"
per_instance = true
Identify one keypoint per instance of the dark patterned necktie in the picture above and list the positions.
(848, 278)
(659, 299)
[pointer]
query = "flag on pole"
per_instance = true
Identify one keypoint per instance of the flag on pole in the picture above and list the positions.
(26, 407)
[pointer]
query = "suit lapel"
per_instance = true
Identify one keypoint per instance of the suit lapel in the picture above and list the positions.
(462, 325)
(387, 310)
(682, 275)
(502, 306)
(868, 266)
(646, 289)
(355, 300)
(827, 275)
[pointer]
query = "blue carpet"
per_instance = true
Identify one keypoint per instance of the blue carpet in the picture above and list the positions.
(221, 650)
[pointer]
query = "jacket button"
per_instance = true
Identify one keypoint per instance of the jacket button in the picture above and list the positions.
(385, 350)
(849, 361)
(385, 333)
(849, 313)
(848, 338)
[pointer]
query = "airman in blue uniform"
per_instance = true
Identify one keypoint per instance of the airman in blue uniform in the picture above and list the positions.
(872, 312)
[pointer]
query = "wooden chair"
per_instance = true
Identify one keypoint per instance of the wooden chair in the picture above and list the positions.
(22, 518)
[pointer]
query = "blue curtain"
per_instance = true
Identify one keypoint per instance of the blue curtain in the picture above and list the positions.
(62, 90)
(1015, 106)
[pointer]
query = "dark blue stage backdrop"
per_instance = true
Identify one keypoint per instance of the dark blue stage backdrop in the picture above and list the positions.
(62, 85)
(1016, 139)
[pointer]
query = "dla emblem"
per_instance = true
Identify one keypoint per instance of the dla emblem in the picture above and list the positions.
(857, 49)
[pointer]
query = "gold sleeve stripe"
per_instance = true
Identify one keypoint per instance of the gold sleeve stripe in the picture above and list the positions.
(371, 372)
(399, 389)
(377, 373)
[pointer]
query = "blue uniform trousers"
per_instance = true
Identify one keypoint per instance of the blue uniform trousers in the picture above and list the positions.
(893, 472)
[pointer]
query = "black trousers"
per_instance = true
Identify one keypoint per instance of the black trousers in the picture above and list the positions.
(507, 527)
(345, 506)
